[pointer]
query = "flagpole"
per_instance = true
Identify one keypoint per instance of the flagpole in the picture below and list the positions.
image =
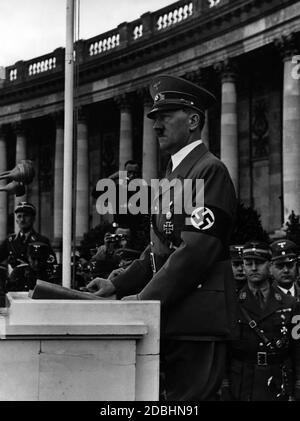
(68, 146)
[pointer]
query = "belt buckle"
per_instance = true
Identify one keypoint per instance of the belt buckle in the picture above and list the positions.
(252, 324)
(262, 358)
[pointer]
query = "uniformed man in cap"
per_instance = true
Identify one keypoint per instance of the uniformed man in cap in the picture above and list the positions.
(284, 266)
(264, 360)
(14, 248)
(187, 264)
(40, 266)
(237, 266)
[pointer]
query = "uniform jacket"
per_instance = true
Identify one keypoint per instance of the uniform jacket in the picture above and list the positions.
(297, 289)
(248, 380)
(194, 280)
(14, 248)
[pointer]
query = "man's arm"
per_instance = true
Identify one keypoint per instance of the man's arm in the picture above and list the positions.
(135, 277)
(128, 281)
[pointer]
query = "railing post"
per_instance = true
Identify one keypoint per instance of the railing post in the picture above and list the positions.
(80, 51)
(2, 77)
(147, 20)
(59, 54)
(123, 31)
(197, 7)
(21, 71)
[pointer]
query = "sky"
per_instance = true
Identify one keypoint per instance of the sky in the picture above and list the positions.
(30, 28)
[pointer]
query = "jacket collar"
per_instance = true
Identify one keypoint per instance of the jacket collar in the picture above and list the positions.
(249, 302)
(183, 169)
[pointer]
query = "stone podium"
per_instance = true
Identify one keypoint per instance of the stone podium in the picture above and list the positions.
(75, 350)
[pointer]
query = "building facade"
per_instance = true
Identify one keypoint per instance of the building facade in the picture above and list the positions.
(245, 51)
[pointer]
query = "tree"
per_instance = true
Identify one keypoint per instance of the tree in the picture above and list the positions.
(293, 228)
(248, 226)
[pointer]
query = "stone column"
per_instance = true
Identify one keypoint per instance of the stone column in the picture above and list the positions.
(290, 127)
(3, 195)
(205, 131)
(21, 152)
(150, 156)
(229, 129)
(126, 141)
(58, 184)
(82, 177)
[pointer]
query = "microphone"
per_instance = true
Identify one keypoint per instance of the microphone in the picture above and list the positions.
(14, 187)
(21, 173)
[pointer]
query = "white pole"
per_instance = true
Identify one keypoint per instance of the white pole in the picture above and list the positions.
(68, 147)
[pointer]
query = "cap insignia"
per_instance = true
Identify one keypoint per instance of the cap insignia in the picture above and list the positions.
(159, 97)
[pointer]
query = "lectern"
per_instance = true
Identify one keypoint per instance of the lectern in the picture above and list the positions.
(71, 350)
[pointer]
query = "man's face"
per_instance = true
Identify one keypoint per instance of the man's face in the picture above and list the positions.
(133, 171)
(172, 130)
(256, 270)
(25, 221)
(238, 270)
(284, 272)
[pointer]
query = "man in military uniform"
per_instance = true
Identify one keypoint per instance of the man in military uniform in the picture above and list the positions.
(14, 248)
(237, 266)
(187, 264)
(40, 266)
(264, 361)
(284, 266)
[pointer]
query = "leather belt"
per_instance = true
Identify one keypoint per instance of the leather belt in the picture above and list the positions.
(261, 358)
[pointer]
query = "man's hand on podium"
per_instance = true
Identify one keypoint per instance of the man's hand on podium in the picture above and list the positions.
(101, 287)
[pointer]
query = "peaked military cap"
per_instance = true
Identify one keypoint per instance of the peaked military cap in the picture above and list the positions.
(172, 93)
(38, 250)
(25, 207)
(236, 252)
(257, 250)
(284, 250)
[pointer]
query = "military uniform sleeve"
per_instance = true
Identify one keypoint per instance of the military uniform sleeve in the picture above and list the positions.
(51, 251)
(204, 240)
(135, 277)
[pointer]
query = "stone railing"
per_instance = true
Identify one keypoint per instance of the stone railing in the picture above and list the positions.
(174, 16)
(27, 70)
(127, 33)
(103, 43)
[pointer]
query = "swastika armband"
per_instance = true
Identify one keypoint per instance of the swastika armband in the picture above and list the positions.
(209, 220)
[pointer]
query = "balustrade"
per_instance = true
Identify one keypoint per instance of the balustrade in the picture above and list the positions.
(172, 17)
(42, 66)
(104, 44)
(13, 75)
(149, 24)
(138, 31)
